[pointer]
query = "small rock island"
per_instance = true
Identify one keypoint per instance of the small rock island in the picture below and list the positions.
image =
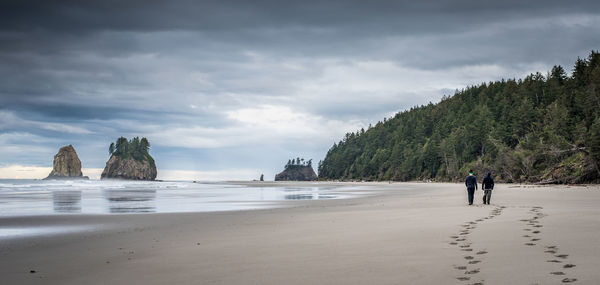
(297, 170)
(66, 165)
(130, 160)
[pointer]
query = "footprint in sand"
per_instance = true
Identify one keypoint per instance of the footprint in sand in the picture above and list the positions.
(530, 244)
(466, 229)
(453, 243)
(552, 249)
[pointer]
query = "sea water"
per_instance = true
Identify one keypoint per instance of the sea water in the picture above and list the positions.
(21, 197)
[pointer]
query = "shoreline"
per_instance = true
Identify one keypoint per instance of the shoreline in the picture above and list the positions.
(401, 235)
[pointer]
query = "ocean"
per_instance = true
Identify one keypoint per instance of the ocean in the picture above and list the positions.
(22, 197)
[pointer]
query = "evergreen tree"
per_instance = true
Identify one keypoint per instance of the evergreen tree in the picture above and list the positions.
(145, 145)
(530, 129)
(136, 148)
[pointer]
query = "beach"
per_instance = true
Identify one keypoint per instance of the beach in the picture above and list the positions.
(402, 233)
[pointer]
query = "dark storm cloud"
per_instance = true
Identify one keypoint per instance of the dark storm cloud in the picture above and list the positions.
(229, 79)
(82, 16)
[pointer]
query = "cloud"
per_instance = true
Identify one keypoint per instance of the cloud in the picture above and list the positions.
(8, 120)
(38, 172)
(237, 85)
(215, 175)
(261, 125)
(24, 172)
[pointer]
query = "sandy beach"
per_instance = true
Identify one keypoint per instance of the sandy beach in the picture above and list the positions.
(405, 233)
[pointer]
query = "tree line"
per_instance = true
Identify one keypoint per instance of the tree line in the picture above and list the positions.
(136, 148)
(541, 128)
(298, 162)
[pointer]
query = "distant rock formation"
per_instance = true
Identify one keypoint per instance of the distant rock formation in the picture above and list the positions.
(129, 168)
(297, 172)
(66, 164)
(130, 160)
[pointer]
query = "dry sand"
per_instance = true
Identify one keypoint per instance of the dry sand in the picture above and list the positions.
(407, 233)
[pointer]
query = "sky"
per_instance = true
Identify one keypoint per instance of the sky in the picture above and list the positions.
(228, 90)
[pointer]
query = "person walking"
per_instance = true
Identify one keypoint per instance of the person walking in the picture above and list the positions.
(471, 183)
(487, 185)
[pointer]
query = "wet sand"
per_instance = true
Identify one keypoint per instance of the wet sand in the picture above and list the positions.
(407, 233)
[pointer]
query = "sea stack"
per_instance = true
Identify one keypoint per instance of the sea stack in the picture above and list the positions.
(297, 170)
(130, 160)
(66, 164)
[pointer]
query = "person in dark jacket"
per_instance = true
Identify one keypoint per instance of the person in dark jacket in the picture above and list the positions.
(487, 185)
(471, 183)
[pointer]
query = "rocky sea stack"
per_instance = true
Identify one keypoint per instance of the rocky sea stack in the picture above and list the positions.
(66, 164)
(130, 160)
(297, 170)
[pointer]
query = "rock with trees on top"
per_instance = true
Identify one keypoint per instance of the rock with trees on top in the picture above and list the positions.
(130, 159)
(297, 169)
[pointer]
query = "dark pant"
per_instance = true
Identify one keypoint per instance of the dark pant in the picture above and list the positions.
(487, 195)
(471, 192)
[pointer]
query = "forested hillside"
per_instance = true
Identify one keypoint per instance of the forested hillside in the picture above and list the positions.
(543, 128)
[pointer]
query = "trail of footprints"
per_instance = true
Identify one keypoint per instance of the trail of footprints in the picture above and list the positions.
(461, 240)
(532, 236)
(532, 233)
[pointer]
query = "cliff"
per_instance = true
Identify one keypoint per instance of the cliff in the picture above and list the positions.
(129, 168)
(66, 164)
(297, 173)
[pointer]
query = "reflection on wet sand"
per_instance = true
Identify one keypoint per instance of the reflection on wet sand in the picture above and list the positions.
(130, 201)
(38, 197)
(294, 189)
(314, 196)
(66, 201)
(307, 196)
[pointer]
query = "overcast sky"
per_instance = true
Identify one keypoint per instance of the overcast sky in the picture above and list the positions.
(233, 89)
